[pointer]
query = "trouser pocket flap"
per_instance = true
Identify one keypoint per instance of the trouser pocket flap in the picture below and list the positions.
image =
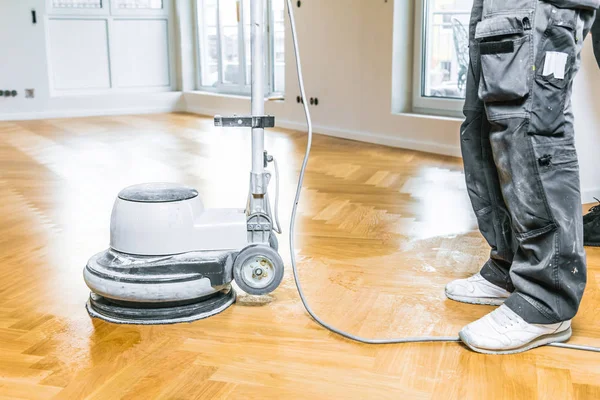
(505, 48)
(503, 25)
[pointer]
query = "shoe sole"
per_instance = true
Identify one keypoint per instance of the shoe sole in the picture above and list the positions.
(541, 341)
(486, 301)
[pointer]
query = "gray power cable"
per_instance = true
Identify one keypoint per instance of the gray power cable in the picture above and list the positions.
(277, 225)
(324, 324)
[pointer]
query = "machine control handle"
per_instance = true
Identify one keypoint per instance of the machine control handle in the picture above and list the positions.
(263, 121)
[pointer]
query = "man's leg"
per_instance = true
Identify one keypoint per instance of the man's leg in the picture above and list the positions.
(484, 191)
(530, 53)
(539, 173)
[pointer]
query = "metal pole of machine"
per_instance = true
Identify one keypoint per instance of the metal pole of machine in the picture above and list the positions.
(257, 18)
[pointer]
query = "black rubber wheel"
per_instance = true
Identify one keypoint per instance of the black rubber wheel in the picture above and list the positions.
(258, 270)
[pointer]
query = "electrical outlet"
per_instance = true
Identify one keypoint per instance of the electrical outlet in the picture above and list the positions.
(8, 93)
(29, 93)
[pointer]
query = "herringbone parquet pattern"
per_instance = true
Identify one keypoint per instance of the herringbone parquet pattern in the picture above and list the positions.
(381, 231)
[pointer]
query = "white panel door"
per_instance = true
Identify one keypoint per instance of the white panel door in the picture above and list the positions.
(140, 53)
(78, 54)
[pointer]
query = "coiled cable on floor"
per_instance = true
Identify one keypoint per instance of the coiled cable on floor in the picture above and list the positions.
(310, 311)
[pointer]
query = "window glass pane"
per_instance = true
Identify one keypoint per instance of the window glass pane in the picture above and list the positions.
(209, 47)
(278, 45)
(446, 48)
(140, 4)
(230, 45)
(225, 48)
(77, 3)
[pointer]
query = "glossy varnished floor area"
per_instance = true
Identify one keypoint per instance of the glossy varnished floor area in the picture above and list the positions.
(381, 231)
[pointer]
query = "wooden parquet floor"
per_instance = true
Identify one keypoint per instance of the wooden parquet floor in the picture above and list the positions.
(381, 231)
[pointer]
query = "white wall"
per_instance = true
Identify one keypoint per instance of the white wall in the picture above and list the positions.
(25, 48)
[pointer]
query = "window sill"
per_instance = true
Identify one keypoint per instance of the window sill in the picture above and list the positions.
(219, 94)
(432, 116)
(275, 97)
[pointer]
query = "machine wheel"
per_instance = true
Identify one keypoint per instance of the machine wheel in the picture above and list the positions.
(273, 242)
(258, 270)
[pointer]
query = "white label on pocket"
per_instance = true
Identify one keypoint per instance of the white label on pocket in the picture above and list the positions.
(556, 63)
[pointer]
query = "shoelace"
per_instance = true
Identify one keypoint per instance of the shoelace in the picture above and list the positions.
(503, 317)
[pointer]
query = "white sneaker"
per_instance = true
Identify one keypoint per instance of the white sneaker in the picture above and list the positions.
(504, 332)
(476, 290)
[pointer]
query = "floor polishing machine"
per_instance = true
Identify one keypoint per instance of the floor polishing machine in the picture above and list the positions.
(173, 260)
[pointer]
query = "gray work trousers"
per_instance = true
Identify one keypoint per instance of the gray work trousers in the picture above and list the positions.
(519, 153)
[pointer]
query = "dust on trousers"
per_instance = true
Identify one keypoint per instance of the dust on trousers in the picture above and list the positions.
(519, 153)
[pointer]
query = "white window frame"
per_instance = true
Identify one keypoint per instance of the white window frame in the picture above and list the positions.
(231, 89)
(425, 104)
(109, 12)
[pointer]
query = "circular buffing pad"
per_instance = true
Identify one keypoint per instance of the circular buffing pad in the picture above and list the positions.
(159, 313)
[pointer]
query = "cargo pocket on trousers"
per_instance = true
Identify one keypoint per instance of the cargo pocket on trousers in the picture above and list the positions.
(555, 154)
(554, 72)
(559, 177)
(505, 46)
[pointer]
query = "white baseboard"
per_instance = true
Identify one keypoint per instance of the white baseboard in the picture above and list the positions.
(84, 113)
(92, 106)
(369, 137)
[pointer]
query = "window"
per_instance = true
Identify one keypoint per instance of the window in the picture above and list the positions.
(100, 46)
(442, 55)
(224, 46)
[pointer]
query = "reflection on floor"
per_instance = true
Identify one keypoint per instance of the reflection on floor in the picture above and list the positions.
(381, 231)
